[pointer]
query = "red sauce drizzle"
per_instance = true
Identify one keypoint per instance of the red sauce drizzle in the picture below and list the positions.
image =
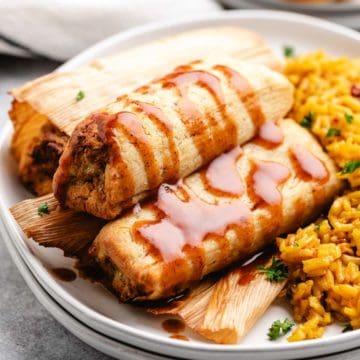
(270, 132)
(309, 163)
(188, 222)
(133, 129)
(204, 78)
(222, 139)
(266, 179)
(106, 125)
(246, 275)
(248, 272)
(163, 123)
(133, 126)
(222, 173)
(246, 94)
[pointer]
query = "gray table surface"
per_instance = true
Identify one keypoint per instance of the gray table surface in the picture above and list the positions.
(27, 330)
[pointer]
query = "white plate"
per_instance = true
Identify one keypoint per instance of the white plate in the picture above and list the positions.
(98, 309)
(98, 341)
(347, 14)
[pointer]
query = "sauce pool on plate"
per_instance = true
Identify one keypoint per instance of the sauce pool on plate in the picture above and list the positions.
(64, 274)
(173, 326)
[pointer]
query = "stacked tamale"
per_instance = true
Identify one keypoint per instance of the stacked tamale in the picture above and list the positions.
(151, 138)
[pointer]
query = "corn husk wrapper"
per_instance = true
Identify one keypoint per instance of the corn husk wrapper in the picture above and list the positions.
(224, 310)
(68, 230)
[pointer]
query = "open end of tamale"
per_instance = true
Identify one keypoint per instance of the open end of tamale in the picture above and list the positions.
(37, 145)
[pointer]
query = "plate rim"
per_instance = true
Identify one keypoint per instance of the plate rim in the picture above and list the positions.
(77, 307)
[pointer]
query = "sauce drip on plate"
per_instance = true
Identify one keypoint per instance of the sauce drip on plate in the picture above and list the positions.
(64, 274)
(173, 326)
(179, 337)
(222, 173)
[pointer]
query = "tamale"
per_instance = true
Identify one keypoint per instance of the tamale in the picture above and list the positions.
(165, 131)
(147, 262)
(220, 215)
(45, 111)
(224, 309)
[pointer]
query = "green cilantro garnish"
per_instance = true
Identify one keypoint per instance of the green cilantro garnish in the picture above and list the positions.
(80, 95)
(349, 118)
(280, 328)
(307, 120)
(289, 51)
(333, 132)
(347, 327)
(317, 227)
(43, 209)
(277, 271)
(296, 244)
(350, 167)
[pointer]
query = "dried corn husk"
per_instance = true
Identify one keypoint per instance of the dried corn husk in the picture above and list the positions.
(224, 310)
(61, 228)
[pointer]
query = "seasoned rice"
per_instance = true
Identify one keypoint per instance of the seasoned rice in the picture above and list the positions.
(329, 89)
(324, 258)
(324, 269)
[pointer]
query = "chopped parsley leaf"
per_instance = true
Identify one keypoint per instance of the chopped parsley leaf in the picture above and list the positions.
(80, 95)
(307, 120)
(289, 51)
(349, 118)
(347, 327)
(350, 167)
(333, 132)
(317, 227)
(296, 244)
(280, 328)
(277, 271)
(43, 209)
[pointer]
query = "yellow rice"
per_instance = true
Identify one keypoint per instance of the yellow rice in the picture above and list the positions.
(324, 268)
(324, 258)
(323, 86)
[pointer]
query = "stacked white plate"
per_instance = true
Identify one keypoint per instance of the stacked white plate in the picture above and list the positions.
(92, 313)
(346, 13)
